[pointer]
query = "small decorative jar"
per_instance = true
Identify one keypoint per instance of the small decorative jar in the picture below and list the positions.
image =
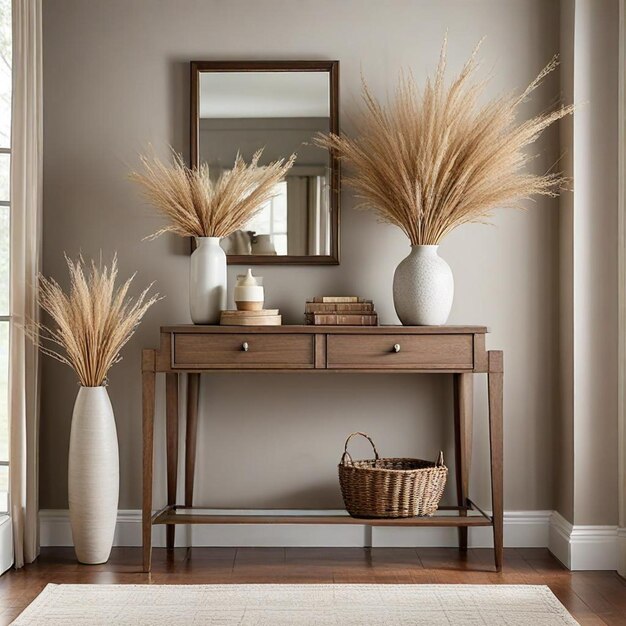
(249, 294)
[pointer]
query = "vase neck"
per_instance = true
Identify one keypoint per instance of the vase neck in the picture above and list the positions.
(211, 241)
(93, 391)
(424, 250)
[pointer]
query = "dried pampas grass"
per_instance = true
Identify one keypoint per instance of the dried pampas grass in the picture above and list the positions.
(197, 206)
(433, 159)
(93, 321)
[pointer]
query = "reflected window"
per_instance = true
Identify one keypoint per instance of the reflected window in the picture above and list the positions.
(272, 221)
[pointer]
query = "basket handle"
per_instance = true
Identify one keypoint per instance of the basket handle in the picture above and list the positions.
(439, 462)
(346, 455)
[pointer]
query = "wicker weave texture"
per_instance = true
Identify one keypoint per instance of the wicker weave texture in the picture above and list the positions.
(390, 487)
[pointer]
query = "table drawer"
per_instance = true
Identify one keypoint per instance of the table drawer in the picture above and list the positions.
(413, 351)
(228, 351)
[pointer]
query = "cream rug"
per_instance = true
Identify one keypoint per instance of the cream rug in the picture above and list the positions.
(296, 605)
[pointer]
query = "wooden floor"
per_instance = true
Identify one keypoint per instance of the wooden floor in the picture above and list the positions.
(592, 597)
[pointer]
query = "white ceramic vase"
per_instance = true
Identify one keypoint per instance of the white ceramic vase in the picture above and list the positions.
(207, 281)
(93, 475)
(423, 288)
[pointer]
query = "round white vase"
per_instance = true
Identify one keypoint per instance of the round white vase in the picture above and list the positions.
(207, 281)
(93, 475)
(423, 288)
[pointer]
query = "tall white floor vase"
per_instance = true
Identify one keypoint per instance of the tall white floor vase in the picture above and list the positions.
(423, 288)
(94, 475)
(207, 281)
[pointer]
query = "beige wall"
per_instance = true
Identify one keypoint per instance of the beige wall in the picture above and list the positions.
(116, 78)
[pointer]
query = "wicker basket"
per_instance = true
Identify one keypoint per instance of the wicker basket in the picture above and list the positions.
(390, 487)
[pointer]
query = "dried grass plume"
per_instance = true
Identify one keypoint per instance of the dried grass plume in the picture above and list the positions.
(430, 160)
(197, 206)
(92, 322)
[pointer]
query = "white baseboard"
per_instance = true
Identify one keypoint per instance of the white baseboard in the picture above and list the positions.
(581, 547)
(559, 544)
(577, 547)
(521, 529)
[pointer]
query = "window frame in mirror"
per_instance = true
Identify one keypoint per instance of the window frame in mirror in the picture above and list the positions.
(332, 68)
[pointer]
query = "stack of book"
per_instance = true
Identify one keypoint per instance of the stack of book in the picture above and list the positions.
(340, 311)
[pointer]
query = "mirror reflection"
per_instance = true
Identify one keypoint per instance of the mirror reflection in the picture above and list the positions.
(280, 111)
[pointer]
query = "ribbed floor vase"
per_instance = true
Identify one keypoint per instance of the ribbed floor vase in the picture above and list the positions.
(423, 288)
(93, 475)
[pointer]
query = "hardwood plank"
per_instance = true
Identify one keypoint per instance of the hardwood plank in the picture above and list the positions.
(603, 592)
(451, 560)
(206, 557)
(337, 557)
(266, 556)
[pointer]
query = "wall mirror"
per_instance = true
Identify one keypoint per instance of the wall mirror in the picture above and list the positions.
(279, 106)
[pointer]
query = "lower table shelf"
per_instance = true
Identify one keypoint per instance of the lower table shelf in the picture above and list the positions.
(190, 515)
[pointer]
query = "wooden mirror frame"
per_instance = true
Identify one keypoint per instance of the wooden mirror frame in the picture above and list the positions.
(332, 67)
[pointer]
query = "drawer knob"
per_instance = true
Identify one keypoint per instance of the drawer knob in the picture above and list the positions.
(396, 347)
(244, 346)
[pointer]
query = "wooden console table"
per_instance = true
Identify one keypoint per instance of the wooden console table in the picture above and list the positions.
(456, 350)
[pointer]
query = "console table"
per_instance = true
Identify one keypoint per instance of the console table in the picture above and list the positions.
(456, 350)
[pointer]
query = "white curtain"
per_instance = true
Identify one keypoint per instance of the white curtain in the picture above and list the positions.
(26, 215)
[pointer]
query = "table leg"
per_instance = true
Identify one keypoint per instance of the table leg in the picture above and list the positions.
(495, 378)
(193, 393)
(148, 379)
(463, 426)
(171, 415)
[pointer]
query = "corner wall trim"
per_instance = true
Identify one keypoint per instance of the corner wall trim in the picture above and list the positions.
(621, 290)
(581, 547)
(621, 544)
(521, 529)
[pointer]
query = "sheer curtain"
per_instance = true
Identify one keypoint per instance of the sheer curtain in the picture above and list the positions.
(26, 205)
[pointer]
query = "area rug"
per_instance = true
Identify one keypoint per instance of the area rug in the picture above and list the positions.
(296, 605)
